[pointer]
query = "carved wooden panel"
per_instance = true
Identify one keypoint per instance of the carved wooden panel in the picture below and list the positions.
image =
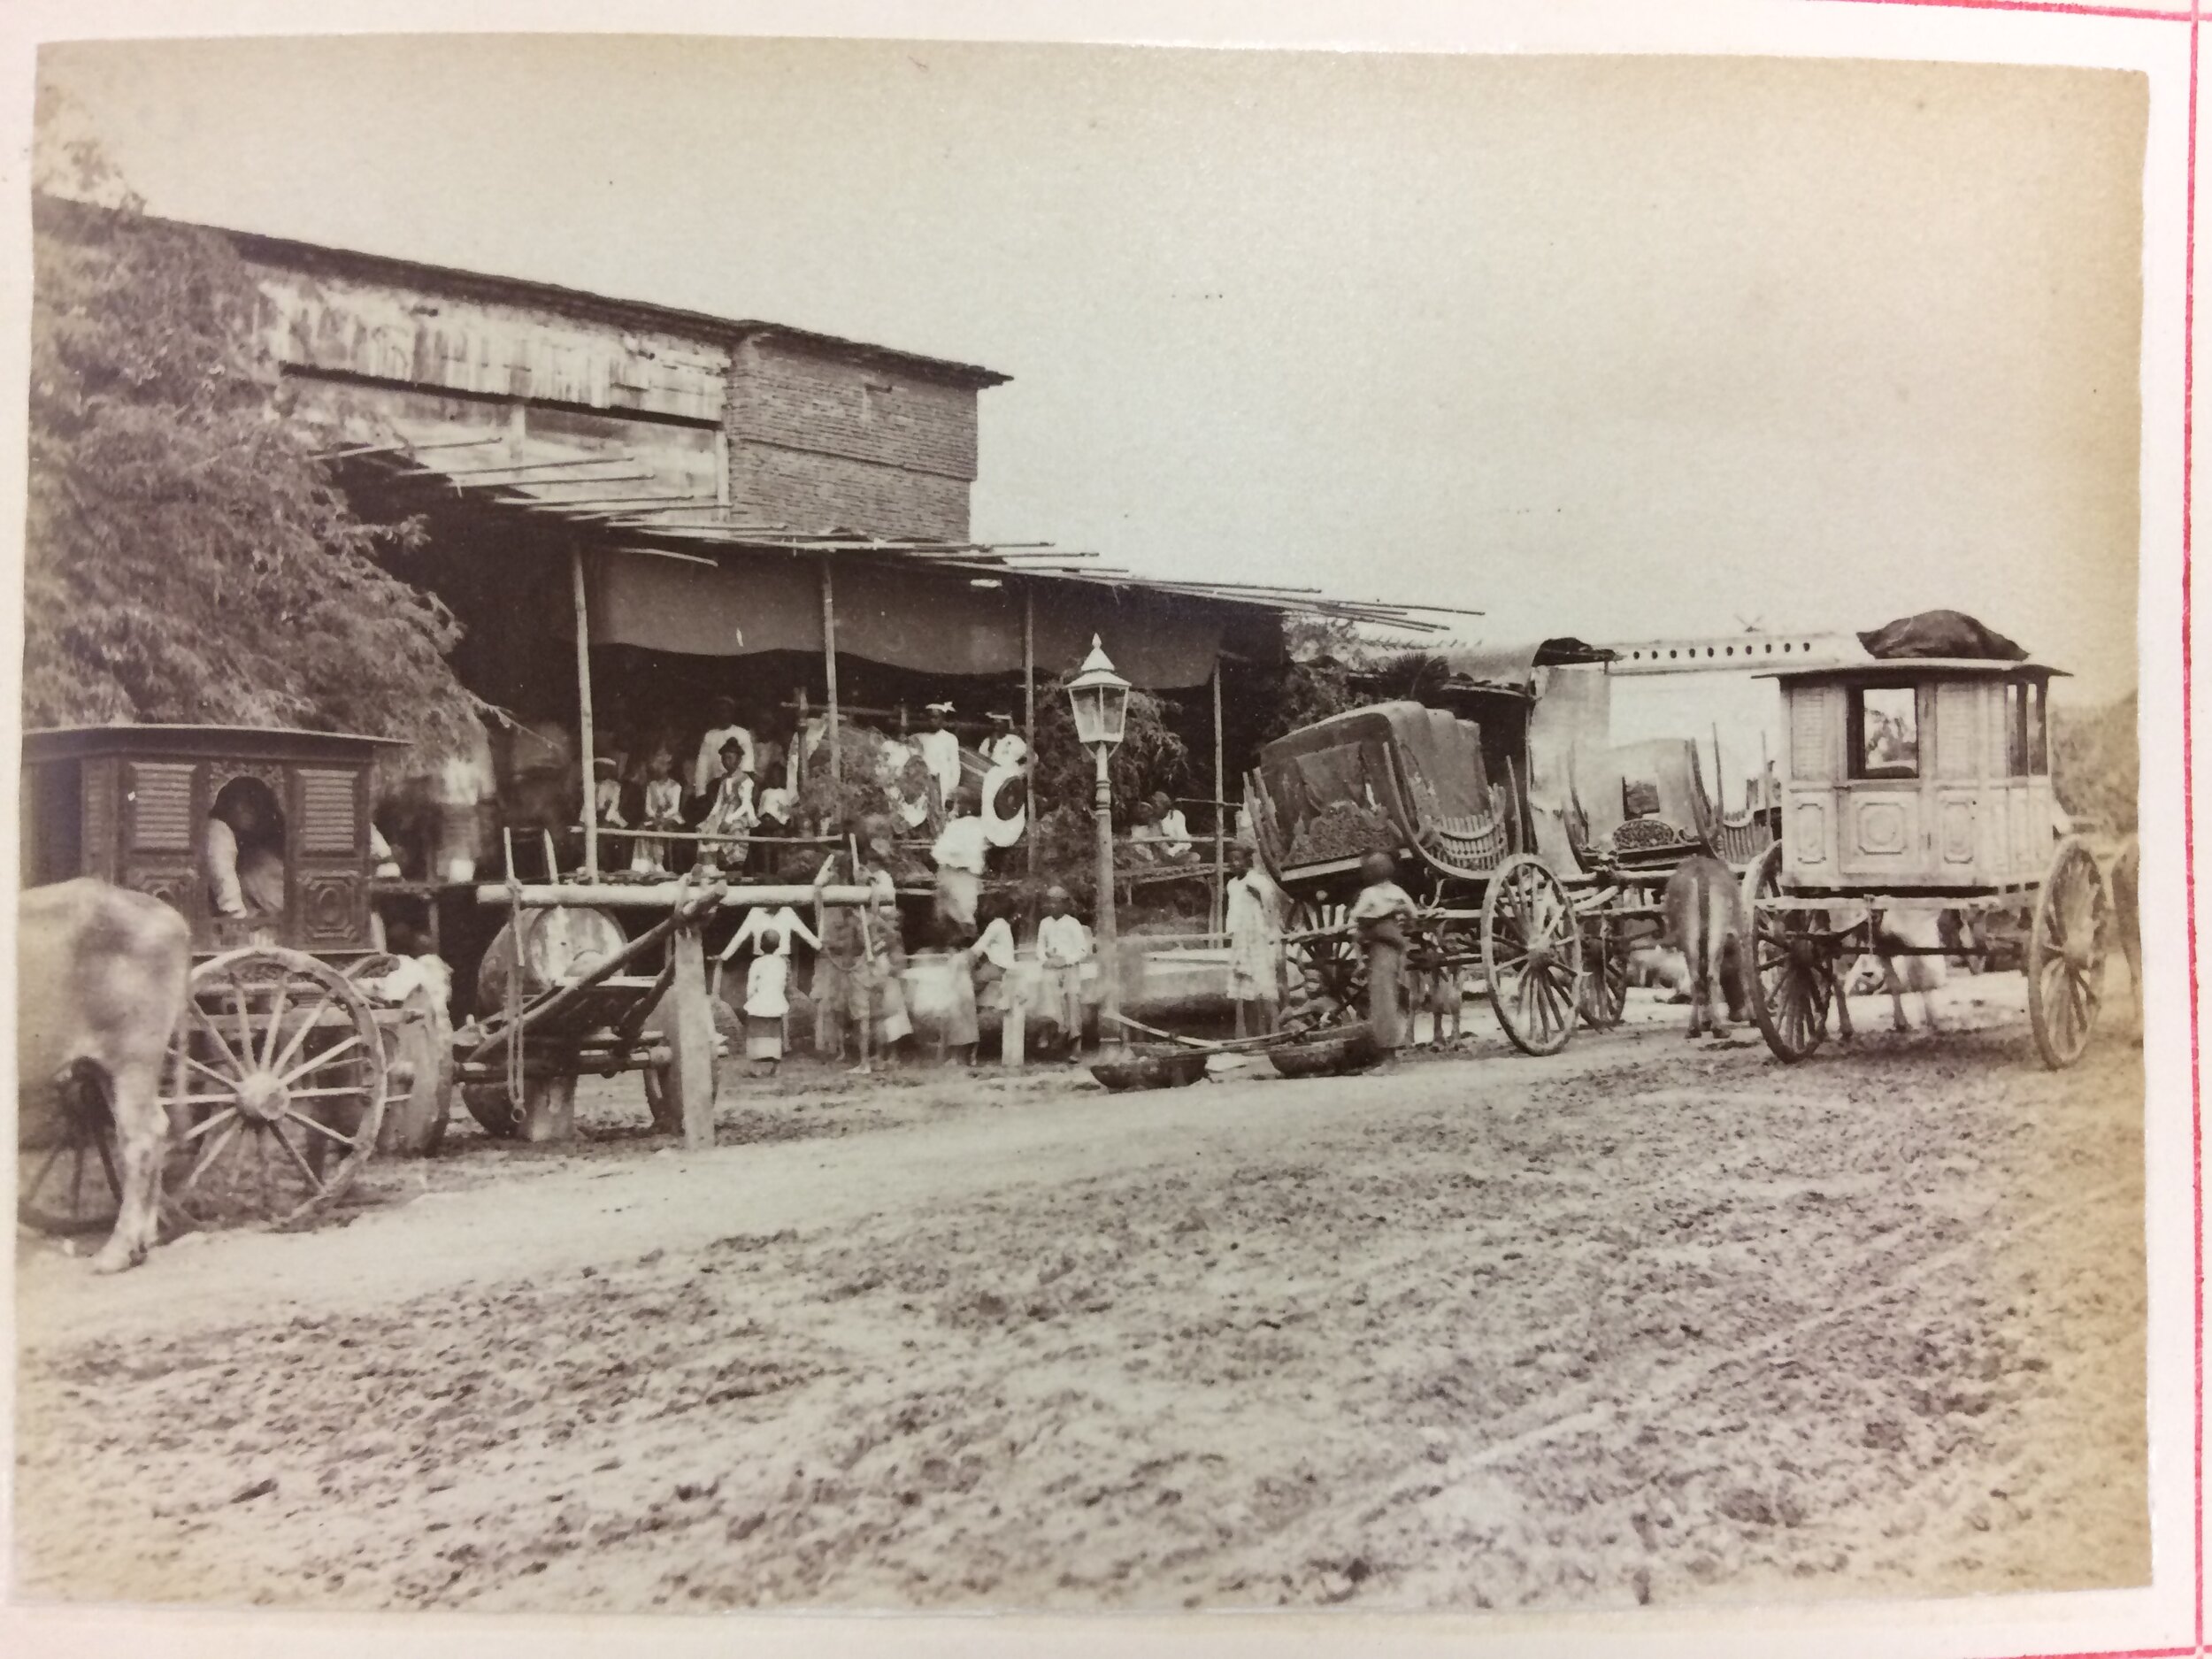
(330, 909)
(329, 810)
(171, 886)
(99, 819)
(159, 794)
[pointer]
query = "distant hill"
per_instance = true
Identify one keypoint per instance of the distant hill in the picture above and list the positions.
(2095, 763)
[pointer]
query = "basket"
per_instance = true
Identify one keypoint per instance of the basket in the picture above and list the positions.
(1152, 1066)
(1329, 1053)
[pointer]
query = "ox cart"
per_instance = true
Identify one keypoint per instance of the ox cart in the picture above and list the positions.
(281, 1070)
(1535, 849)
(304, 1049)
(1919, 787)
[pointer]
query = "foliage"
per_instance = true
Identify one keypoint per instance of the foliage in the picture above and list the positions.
(2095, 763)
(1151, 757)
(186, 559)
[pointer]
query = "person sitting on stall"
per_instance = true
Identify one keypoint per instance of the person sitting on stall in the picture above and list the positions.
(726, 828)
(242, 852)
(1256, 944)
(767, 1001)
(959, 855)
(1175, 843)
(1063, 945)
(1144, 836)
(664, 813)
(778, 800)
(606, 805)
(1379, 914)
(722, 729)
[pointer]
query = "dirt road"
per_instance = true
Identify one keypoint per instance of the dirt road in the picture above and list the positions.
(1644, 1321)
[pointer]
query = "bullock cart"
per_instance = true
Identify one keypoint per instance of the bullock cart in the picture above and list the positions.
(298, 1040)
(1913, 788)
(563, 994)
(1536, 849)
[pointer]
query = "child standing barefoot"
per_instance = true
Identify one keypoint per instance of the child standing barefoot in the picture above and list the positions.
(766, 1003)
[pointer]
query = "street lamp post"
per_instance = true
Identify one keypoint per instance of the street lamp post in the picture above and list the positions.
(1099, 698)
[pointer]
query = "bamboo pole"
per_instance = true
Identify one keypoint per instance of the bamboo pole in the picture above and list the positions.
(583, 712)
(829, 671)
(1029, 722)
(1221, 808)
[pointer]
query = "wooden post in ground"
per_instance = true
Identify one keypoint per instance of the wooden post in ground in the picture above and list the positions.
(1221, 808)
(583, 715)
(1029, 734)
(829, 670)
(687, 1027)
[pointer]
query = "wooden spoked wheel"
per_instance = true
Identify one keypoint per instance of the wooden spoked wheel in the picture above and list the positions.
(1330, 964)
(1531, 954)
(1791, 979)
(1604, 994)
(418, 1066)
(276, 1089)
(2066, 955)
(69, 1170)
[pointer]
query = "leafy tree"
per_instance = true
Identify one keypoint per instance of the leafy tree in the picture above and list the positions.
(186, 559)
(2096, 764)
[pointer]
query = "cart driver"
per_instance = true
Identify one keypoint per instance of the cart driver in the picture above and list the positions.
(244, 857)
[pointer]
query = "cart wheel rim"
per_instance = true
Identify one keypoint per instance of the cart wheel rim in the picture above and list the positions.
(1531, 954)
(74, 1185)
(2066, 956)
(1604, 997)
(1791, 984)
(277, 1088)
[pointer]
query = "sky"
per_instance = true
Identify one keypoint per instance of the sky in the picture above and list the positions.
(1612, 347)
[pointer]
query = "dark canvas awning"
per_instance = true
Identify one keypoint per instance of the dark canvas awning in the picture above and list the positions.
(927, 621)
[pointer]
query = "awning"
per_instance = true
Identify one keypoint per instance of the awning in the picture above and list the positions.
(927, 621)
(1513, 667)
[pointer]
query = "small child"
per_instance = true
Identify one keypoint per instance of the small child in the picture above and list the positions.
(766, 1003)
(663, 811)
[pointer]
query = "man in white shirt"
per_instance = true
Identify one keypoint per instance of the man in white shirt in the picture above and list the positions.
(722, 729)
(941, 752)
(1063, 945)
(1256, 943)
(958, 856)
(1173, 827)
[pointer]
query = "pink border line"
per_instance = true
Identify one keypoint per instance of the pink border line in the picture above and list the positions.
(2058, 7)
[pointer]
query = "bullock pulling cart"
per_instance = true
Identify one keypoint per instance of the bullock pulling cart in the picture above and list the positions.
(1916, 788)
(304, 1050)
(1535, 849)
(280, 1070)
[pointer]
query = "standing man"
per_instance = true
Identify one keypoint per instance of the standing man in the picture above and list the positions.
(857, 972)
(1256, 944)
(941, 752)
(722, 729)
(1063, 945)
(1380, 913)
(958, 856)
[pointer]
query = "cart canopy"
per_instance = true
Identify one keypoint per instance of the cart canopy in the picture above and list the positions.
(1385, 779)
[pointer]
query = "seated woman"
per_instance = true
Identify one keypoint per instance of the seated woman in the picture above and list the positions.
(242, 851)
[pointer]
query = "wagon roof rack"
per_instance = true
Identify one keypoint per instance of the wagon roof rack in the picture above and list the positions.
(1894, 667)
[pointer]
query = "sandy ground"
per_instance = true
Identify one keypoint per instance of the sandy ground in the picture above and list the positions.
(1644, 1321)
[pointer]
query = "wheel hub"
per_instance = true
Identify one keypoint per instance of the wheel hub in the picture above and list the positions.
(262, 1097)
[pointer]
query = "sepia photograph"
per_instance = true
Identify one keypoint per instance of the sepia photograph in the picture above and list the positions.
(918, 826)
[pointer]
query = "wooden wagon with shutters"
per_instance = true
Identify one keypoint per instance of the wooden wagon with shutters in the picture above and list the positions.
(1922, 785)
(1536, 849)
(304, 1049)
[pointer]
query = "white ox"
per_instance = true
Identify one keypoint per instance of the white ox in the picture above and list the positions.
(1888, 968)
(102, 975)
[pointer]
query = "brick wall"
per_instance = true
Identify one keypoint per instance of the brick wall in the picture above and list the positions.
(818, 442)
